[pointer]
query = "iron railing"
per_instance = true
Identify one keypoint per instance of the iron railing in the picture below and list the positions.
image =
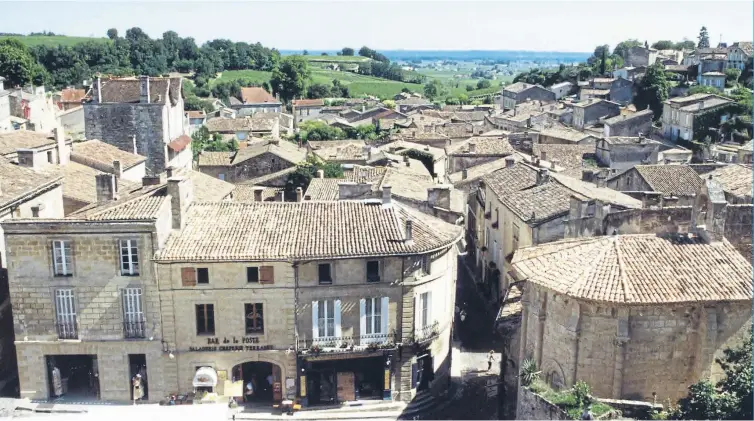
(347, 343)
(67, 329)
(134, 330)
(428, 332)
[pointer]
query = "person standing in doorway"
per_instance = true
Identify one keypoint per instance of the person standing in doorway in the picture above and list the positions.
(269, 384)
(138, 389)
(57, 382)
(490, 359)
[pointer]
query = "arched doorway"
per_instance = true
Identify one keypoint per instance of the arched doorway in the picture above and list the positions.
(265, 379)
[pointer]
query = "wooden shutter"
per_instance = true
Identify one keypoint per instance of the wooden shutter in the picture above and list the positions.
(384, 315)
(363, 321)
(315, 319)
(188, 277)
(266, 275)
(337, 319)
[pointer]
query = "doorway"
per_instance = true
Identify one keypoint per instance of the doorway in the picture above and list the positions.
(73, 377)
(137, 364)
(345, 380)
(425, 372)
(265, 379)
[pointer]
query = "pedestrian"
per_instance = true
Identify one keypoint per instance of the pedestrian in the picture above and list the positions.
(490, 359)
(587, 414)
(138, 391)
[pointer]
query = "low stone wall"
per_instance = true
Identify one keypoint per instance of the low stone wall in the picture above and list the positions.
(531, 406)
(633, 409)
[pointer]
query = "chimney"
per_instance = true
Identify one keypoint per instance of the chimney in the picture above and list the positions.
(600, 179)
(181, 193)
(510, 161)
(586, 175)
(64, 154)
(554, 163)
(448, 143)
(405, 158)
(465, 173)
(144, 97)
(439, 196)
(97, 90)
(133, 141)
(408, 163)
(258, 194)
(472, 147)
(299, 194)
(169, 172)
(543, 155)
(409, 232)
(107, 187)
(349, 190)
(542, 176)
(25, 157)
(320, 174)
(150, 180)
(118, 170)
(280, 196)
(386, 195)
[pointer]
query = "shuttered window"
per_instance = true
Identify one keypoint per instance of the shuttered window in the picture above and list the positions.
(252, 274)
(188, 277)
(254, 318)
(205, 319)
(65, 313)
(133, 313)
(129, 258)
(62, 258)
(266, 275)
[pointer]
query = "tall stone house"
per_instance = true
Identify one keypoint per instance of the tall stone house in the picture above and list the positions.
(738, 55)
(254, 100)
(521, 92)
(154, 297)
(143, 116)
(678, 114)
(5, 123)
(270, 159)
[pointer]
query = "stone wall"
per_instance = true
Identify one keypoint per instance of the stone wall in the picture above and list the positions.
(73, 122)
(530, 406)
(738, 227)
(264, 164)
(631, 126)
(116, 124)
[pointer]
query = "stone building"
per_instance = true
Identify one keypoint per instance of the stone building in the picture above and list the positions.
(562, 89)
(475, 151)
(678, 114)
(564, 135)
(322, 319)
(677, 184)
(245, 129)
(620, 153)
(253, 100)
(108, 158)
(519, 92)
(438, 156)
(306, 108)
(738, 55)
(736, 181)
(631, 125)
(607, 325)
(641, 56)
(5, 121)
(143, 116)
(591, 111)
(266, 158)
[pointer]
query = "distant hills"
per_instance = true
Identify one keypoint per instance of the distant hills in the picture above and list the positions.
(468, 55)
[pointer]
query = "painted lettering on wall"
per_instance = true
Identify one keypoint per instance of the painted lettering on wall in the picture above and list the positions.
(231, 344)
(233, 340)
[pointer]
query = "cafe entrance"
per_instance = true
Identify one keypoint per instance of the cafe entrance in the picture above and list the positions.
(262, 382)
(343, 380)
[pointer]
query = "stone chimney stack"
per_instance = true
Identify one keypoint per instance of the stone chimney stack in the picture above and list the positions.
(107, 187)
(409, 232)
(464, 174)
(472, 147)
(258, 194)
(150, 180)
(387, 198)
(169, 172)
(320, 174)
(510, 161)
(543, 155)
(118, 170)
(64, 154)
(554, 163)
(133, 142)
(350, 190)
(542, 176)
(181, 193)
(25, 157)
(97, 90)
(280, 196)
(299, 194)
(439, 196)
(144, 96)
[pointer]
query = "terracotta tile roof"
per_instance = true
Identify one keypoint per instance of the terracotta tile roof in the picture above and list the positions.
(566, 134)
(508, 180)
(540, 203)
(454, 130)
(245, 193)
(179, 143)
(21, 183)
(101, 155)
(207, 158)
(72, 95)
(23, 139)
(413, 101)
(283, 149)
(256, 95)
(675, 179)
(592, 92)
(79, 181)
(746, 46)
(478, 171)
(469, 116)
(306, 230)
(401, 146)
(339, 150)
(269, 178)
(518, 87)
(128, 90)
(591, 191)
(638, 269)
(196, 114)
(736, 179)
(323, 189)
(626, 117)
(570, 157)
(244, 124)
(483, 146)
(327, 188)
(308, 103)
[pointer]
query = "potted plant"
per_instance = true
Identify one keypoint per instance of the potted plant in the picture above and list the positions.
(373, 346)
(315, 349)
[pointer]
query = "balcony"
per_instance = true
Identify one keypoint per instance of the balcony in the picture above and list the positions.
(134, 330)
(344, 344)
(427, 333)
(67, 329)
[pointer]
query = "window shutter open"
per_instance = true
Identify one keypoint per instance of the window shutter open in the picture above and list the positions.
(337, 318)
(315, 319)
(188, 277)
(429, 308)
(416, 315)
(362, 318)
(266, 275)
(384, 315)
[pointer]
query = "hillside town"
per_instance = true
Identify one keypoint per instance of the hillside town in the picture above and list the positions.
(579, 249)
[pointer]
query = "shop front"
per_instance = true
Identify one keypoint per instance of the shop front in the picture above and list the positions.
(338, 378)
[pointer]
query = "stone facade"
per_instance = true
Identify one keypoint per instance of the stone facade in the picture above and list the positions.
(669, 347)
(629, 125)
(591, 111)
(621, 91)
(530, 406)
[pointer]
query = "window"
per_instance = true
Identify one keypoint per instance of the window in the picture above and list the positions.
(254, 318)
(326, 319)
(65, 314)
(202, 275)
(325, 276)
(252, 274)
(221, 176)
(49, 157)
(374, 319)
(373, 271)
(129, 258)
(205, 319)
(426, 265)
(425, 309)
(62, 258)
(267, 275)
(133, 313)
(35, 211)
(515, 236)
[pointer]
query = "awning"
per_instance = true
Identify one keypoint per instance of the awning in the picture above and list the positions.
(205, 377)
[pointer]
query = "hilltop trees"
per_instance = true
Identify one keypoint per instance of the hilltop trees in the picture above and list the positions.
(622, 48)
(652, 90)
(18, 66)
(703, 38)
(112, 33)
(346, 51)
(289, 78)
(434, 89)
(663, 45)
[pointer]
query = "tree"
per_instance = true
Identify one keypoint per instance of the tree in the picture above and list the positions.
(305, 53)
(318, 90)
(603, 61)
(307, 170)
(18, 66)
(686, 44)
(434, 89)
(463, 99)
(622, 48)
(663, 45)
(652, 90)
(112, 33)
(324, 54)
(469, 88)
(346, 51)
(289, 77)
(598, 53)
(389, 103)
(483, 84)
(703, 38)
(731, 76)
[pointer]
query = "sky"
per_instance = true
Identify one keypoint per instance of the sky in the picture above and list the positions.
(567, 26)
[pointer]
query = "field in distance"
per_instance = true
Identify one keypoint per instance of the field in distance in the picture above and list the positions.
(52, 41)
